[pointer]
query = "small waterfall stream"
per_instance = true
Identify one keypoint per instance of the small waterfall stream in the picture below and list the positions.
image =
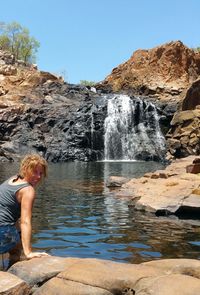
(132, 130)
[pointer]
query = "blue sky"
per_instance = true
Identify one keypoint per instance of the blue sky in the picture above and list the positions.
(86, 39)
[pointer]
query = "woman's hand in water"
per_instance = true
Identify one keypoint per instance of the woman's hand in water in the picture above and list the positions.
(36, 254)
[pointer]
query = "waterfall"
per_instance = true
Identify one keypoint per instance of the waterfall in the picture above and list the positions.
(132, 130)
(92, 127)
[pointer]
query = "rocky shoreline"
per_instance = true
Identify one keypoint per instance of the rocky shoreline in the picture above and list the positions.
(80, 276)
(162, 192)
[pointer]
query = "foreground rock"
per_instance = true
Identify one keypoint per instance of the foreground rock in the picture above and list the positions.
(88, 276)
(12, 285)
(169, 191)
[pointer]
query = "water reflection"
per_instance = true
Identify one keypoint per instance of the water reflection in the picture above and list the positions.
(75, 215)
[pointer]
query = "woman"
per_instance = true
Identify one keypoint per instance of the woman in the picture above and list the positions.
(17, 195)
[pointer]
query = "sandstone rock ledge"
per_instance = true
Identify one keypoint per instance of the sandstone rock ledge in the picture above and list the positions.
(88, 276)
(164, 192)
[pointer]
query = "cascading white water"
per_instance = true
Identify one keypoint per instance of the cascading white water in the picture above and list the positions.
(92, 128)
(132, 129)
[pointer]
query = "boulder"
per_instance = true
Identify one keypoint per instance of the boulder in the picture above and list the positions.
(39, 270)
(12, 285)
(191, 99)
(194, 167)
(64, 287)
(165, 192)
(174, 284)
(83, 276)
(116, 181)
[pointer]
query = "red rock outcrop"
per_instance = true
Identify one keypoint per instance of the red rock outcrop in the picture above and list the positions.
(164, 71)
(18, 80)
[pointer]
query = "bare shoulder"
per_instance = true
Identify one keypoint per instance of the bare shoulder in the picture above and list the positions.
(27, 192)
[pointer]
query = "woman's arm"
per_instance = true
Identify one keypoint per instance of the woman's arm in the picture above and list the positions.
(27, 200)
(27, 196)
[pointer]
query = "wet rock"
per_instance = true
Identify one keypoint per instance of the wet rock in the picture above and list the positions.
(116, 181)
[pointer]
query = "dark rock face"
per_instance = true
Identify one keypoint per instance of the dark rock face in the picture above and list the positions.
(191, 100)
(184, 136)
(77, 134)
(61, 127)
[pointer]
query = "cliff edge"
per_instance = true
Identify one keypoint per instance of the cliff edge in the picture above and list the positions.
(163, 72)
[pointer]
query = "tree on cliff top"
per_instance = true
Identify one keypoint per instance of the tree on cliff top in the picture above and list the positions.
(16, 39)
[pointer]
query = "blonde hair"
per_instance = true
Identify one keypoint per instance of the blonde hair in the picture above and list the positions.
(30, 163)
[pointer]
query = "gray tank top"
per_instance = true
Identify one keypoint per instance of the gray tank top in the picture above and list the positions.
(9, 207)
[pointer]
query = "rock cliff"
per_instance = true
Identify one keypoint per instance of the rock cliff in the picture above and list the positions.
(39, 112)
(163, 72)
(167, 73)
(184, 135)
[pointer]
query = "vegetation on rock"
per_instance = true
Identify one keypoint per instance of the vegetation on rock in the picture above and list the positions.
(87, 83)
(16, 39)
